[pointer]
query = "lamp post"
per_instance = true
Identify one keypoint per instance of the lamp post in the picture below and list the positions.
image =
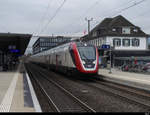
(110, 56)
(110, 60)
(88, 20)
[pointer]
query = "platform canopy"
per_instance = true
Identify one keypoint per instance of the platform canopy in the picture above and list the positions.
(14, 43)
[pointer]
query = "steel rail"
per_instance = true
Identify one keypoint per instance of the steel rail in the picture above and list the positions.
(125, 89)
(50, 101)
(119, 95)
(82, 104)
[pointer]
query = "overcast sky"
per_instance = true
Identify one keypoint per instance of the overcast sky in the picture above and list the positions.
(42, 17)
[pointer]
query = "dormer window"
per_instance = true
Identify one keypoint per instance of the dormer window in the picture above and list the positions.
(114, 29)
(135, 30)
(95, 34)
(125, 30)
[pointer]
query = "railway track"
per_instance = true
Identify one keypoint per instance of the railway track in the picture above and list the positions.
(50, 105)
(75, 105)
(129, 94)
(130, 90)
(132, 95)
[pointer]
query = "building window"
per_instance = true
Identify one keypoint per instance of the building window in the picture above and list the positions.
(116, 42)
(135, 42)
(100, 42)
(94, 42)
(95, 34)
(56, 40)
(126, 42)
(125, 30)
(97, 42)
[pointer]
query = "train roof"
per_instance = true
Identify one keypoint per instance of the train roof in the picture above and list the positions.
(62, 46)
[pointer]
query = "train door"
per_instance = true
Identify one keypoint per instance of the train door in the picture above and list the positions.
(56, 61)
(65, 62)
(48, 62)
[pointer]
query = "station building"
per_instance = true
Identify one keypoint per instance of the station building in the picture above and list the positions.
(12, 46)
(48, 42)
(124, 38)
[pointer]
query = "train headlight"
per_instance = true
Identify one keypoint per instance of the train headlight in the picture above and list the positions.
(94, 62)
(85, 44)
(83, 62)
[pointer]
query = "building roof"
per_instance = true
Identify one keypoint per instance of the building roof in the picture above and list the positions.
(120, 21)
(106, 26)
(14, 39)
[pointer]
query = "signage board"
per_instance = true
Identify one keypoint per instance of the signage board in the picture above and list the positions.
(14, 50)
(104, 46)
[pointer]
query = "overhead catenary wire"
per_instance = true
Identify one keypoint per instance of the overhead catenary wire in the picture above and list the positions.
(51, 19)
(77, 31)
(124, 9)
(140, 15)
(110, 11)
(43, 17)
(135, 4)
(87, 10)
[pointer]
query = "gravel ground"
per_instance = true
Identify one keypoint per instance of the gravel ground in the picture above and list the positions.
(63, 101)
(96, 99)
(43, 102)
(99, 100)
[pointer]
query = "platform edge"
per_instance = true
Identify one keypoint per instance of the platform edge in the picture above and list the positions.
(33, 95)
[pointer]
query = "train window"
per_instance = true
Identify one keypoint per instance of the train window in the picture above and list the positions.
(87, 53)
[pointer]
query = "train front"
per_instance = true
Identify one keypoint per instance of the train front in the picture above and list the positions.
(86, 58)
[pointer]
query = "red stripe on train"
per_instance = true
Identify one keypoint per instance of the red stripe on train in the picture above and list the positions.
(78, 62)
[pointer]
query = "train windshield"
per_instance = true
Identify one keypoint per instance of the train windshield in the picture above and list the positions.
(87, 53)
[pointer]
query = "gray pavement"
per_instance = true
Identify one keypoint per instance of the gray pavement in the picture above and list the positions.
(18, 102)
(137, 80)
(15, 93)
(5, 80)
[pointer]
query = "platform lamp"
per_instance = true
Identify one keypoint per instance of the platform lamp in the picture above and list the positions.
(109, 43)
(110, 60)
(89, 20)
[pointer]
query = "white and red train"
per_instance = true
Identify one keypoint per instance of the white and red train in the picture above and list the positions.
(70, 58)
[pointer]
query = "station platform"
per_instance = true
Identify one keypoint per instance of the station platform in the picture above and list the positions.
(137, 80)
(17, 93)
